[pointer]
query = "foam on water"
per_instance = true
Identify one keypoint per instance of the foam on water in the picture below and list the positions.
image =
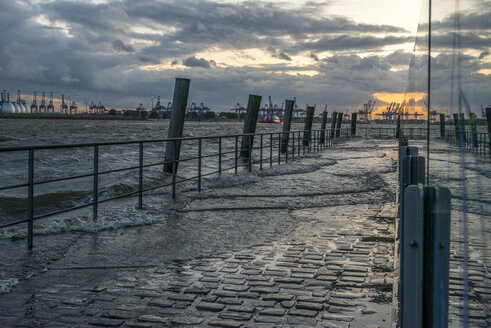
(114, 217)
(6, 285)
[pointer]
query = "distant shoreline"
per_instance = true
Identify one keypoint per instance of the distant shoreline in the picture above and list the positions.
(71, 117)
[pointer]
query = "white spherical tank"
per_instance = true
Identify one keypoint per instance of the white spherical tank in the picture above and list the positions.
(16, 107)
(7, 107)
(26, 108)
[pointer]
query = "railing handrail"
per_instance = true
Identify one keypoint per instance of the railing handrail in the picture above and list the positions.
(128, 142)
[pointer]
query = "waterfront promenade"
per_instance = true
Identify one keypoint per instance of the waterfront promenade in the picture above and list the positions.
(308, 244)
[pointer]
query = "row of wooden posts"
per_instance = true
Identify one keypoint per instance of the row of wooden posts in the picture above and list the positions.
(176, 125)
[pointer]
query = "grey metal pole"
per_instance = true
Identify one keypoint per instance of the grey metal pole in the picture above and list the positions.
(176, 124)
(250, 125)
(334, 119)
(309, 118)
(287, 122)
(354, 116)
(322, 139)
(442, 125)
(338, 124)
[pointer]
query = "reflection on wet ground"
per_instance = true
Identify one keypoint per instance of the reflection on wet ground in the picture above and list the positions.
(309, 243)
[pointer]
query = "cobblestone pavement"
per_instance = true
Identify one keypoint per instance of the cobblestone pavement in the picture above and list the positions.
(329, 274)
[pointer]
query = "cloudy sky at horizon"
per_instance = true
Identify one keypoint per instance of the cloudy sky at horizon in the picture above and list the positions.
(123, 53)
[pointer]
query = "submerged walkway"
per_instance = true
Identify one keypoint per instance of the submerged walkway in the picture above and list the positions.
(307, 244)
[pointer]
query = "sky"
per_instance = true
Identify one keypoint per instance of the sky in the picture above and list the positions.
(126, 52)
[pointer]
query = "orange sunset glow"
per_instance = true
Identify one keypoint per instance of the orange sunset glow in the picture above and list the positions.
(385, 98)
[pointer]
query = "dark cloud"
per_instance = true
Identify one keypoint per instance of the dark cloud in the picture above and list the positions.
(198, 62)
(483, 54)
(113, 52)
(348, 42)
(119, 45)
(314, 57)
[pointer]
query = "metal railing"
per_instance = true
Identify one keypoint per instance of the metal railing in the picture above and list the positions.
(391, 132)
(477, 142)
(270, 144)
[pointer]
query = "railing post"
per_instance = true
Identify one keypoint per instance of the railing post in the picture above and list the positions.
(220, 156)
(299, 144)
(95, 191)
(250, 153)
(236, 153)
(199, 164)
(293, 145)
(270, 150)
(140, 177)
(174, 171)
(30, 201)
(279, 148)
(261, 152)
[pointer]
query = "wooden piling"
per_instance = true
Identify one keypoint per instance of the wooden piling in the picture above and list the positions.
(398, 129)
(488, 118)
(322, 138)
(353, 123)
(462, 126)
(309, 118)
(338, 124)
(287, 122)
(442, 125)
(176, 124)
(250, 125)
(333, 123)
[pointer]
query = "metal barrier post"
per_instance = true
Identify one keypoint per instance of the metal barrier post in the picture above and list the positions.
(425, 257)
(30, 201)
(140, 177)
(95, 191)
